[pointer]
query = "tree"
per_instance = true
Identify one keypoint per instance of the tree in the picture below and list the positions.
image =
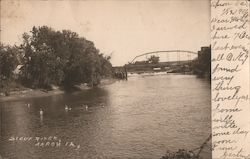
(61, 58)
(8, 63)
(41, 64)
(154, 59)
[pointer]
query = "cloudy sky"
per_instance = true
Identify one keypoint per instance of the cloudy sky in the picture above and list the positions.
(123, 28)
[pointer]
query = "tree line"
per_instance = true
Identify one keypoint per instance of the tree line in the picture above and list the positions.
(49, 57)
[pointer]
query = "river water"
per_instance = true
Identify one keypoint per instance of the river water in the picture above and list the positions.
(140, 118)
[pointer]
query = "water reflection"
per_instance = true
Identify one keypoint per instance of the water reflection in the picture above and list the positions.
(140, 118)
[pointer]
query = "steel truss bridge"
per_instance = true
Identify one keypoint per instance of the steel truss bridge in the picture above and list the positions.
(179, 54)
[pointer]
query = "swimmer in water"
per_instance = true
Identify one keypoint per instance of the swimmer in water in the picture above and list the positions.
(41, 111)
(66, 108)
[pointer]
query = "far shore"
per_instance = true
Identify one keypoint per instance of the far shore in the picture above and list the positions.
(30, 93)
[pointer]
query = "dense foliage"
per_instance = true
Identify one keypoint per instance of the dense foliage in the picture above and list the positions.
(8, 63)
(61, 58)
(154, 59)
(180, 154)
(187, 154)
(48, 57)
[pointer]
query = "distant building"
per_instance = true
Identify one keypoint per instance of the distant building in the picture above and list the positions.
(203, 49)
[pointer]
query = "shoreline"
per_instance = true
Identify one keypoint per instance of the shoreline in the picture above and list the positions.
(34, 93)
(29, 94)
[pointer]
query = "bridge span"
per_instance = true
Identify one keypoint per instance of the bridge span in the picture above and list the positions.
(179, 55)
(176, 61)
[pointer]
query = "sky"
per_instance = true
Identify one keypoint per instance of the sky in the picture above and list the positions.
(123, 29)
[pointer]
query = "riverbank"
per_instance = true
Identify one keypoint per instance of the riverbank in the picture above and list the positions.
(28, 93)
(15, 95)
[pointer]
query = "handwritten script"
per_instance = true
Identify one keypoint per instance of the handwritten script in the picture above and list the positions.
(230, 79)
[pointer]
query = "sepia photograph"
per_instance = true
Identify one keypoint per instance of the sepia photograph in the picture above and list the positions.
(111, 79)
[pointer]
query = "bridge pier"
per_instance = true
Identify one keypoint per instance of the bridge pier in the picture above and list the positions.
(120, 73)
